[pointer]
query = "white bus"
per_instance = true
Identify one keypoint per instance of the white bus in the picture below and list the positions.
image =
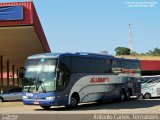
(69, 79)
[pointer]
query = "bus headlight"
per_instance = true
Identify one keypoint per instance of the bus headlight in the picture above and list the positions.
(25, 97)
(50, 98)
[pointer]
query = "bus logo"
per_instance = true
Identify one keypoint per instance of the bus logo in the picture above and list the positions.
(99, 79)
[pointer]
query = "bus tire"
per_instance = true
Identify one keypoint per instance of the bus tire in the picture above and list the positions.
(122, 96)
(74, 100)
(1, 99)
(46, 107)
(128, 96)
(147, 95)
(140, 96)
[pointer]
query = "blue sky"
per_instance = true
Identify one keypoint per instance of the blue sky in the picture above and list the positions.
(97, 25)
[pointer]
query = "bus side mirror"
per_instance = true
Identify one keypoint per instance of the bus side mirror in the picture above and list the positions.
(21, 72)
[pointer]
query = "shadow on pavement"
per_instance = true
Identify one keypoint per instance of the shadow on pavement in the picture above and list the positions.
(132, 104)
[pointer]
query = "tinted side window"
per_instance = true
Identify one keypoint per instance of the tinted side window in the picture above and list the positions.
(135, 65)
(126, 64)
(116, 66)
(15, 90)
(103, 65)
(108, 66)
(65, 64)
(77, 65)
(153, 80)
(100, 66)
(129, 64)
(12, 91)
(123, 64)
(158, 80)
(89, 65)
(64, 73)
(18, 90)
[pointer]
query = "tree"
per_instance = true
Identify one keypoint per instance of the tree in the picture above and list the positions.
(134, 53)
(155, 52)
(122, 51)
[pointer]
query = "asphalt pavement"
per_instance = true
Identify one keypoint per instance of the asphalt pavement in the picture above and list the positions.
(90, 111)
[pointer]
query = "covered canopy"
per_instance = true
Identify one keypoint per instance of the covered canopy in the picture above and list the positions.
(21, 33)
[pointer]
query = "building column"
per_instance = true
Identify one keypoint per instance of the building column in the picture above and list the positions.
(1, 72)
(18, 77)
(7, 72)
(13, 79)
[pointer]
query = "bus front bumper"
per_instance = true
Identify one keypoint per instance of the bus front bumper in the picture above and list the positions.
(39, 102)
(42, 99)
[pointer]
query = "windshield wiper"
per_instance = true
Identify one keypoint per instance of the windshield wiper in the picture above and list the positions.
(39, 83)
(30, 82)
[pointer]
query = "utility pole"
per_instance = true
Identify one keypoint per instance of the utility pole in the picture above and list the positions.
(130, 37)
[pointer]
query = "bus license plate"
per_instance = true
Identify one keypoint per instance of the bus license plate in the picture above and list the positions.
(36, 103)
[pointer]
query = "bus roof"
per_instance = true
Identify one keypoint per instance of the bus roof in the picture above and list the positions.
(80, 54)
(56, 55)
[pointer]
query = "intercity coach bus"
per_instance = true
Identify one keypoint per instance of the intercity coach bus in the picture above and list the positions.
(71, 78)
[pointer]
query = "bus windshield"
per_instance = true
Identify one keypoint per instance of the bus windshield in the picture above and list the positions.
(40, 75)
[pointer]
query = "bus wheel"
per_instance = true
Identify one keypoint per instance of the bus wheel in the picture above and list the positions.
(122, 96)
(46, 107)
(73, 101)
(140, 96)
(147, 96)
(128, 95)
(1, 99)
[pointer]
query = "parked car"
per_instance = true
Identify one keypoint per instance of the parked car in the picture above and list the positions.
(14, 94)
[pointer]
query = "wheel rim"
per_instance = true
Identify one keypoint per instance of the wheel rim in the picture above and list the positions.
(1, 100)
(148, 96)
(73, 102)
(122, 97)
(141, 96)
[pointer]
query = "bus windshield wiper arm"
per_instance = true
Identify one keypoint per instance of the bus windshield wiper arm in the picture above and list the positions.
(39, 83)
(30, 83)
